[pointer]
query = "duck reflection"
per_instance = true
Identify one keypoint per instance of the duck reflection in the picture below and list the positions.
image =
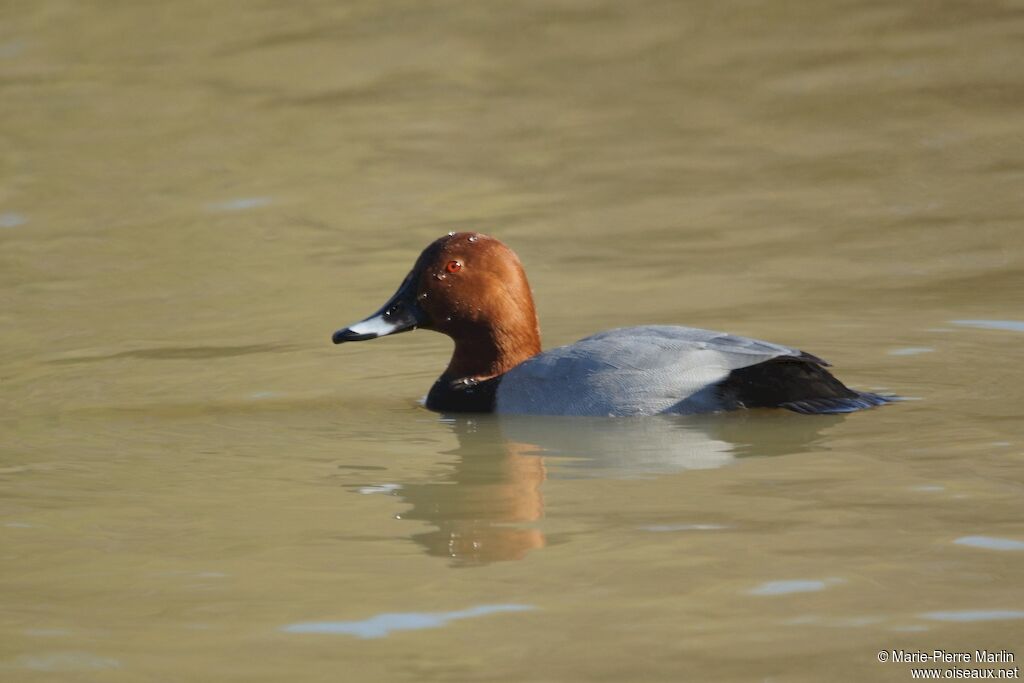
(489, 506)
(484, 508)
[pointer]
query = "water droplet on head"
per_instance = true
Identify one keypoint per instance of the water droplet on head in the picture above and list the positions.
(447, 318)
(473, 238)
(439, 276)
(421, 297)
(451, 233)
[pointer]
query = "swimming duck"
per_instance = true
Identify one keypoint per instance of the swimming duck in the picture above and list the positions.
(473, 288)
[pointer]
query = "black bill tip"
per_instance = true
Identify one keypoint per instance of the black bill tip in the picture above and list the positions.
(347, 335)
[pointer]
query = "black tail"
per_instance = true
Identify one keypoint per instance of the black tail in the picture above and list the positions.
(831, 406)
(797, 383)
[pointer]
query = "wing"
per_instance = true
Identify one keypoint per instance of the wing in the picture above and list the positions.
(634, 371)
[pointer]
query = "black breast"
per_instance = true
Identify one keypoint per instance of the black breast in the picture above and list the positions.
(463, 395)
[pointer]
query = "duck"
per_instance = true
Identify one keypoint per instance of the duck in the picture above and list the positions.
(473, 288)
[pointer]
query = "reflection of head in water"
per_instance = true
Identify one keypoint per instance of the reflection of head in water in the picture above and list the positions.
(487, 507)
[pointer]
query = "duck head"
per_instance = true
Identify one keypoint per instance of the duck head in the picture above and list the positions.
(472, 288)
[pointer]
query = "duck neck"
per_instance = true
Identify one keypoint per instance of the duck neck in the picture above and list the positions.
(482, 354)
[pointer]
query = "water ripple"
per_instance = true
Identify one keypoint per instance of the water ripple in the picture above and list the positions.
(12, 220)
(974, 615)
(383, 624)
(1011, 325)
(792, 586)
(683, 527)
(239, 204)
(910, 351)
(66, 661)
(990, 543)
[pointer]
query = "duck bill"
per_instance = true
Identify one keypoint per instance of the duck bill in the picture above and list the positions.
(400, 314)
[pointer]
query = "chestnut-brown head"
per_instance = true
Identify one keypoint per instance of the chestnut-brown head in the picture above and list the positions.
(472, 288)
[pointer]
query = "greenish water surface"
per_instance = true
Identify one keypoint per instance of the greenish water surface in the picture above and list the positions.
(197, 486)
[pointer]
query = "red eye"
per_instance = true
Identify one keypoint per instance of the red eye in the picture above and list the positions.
(453, 266)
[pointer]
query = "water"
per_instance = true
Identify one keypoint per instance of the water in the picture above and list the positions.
(195, 196)
(383, 624)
